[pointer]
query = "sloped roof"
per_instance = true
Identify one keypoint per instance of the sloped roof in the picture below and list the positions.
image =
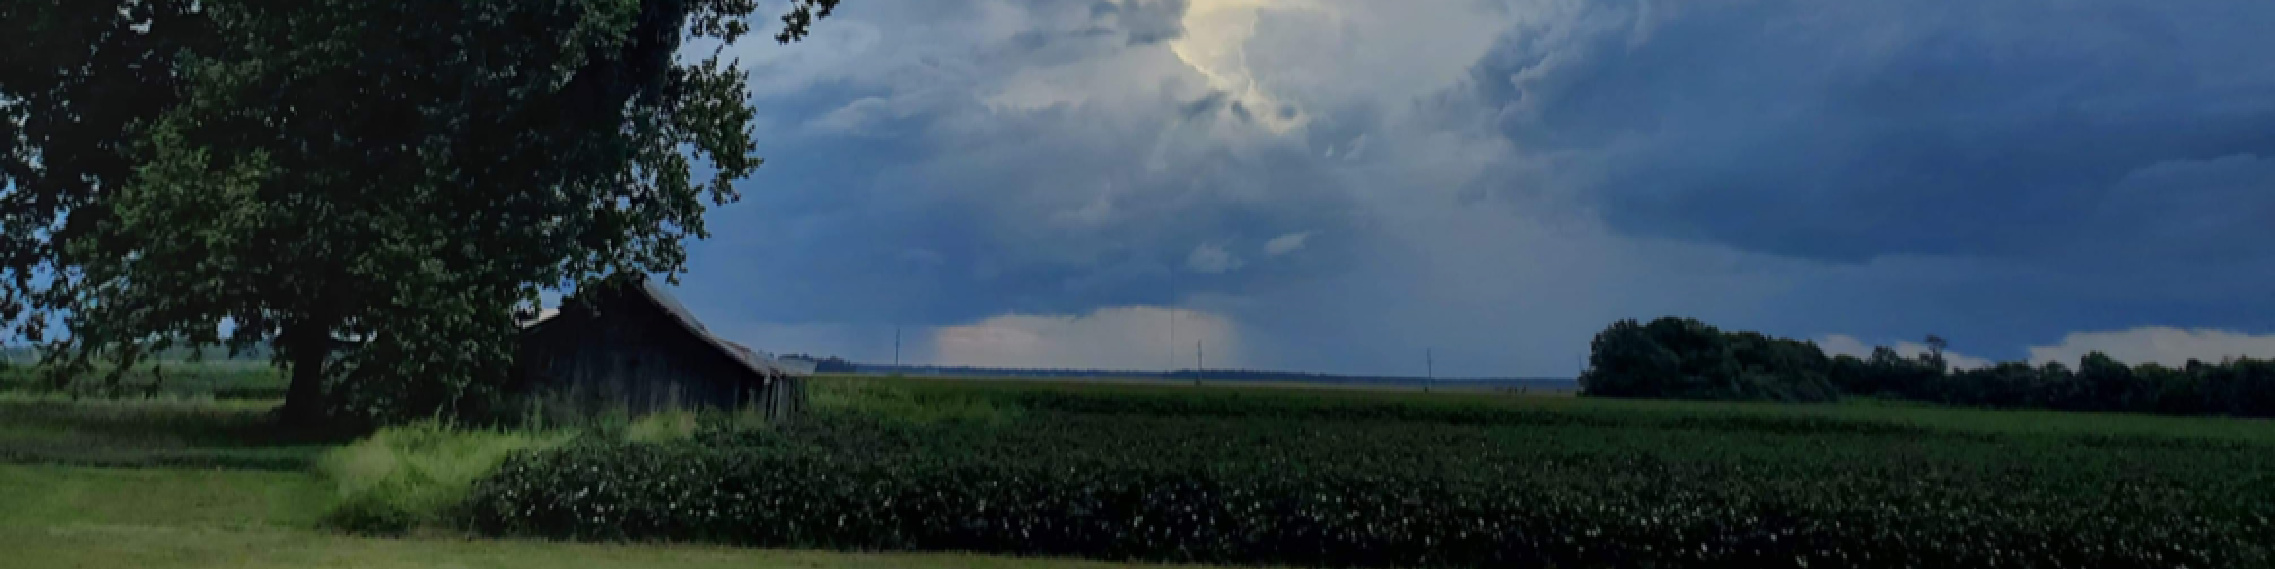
(757, 362)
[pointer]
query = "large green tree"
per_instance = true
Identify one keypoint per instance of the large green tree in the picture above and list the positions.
(76, 80)
(369, 186)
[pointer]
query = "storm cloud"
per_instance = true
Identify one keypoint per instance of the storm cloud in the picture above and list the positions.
(1845, 131)
(1345, 184)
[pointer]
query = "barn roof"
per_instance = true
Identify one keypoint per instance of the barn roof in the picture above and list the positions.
(757, 362)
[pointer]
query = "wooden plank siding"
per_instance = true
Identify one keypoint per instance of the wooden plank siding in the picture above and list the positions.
(630, 351)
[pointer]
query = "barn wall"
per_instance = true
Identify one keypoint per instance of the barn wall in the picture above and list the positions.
(637, 360)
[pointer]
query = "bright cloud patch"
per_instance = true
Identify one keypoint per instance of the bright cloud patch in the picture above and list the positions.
(2160, 344)
(1212, 259)
(1217, 33)
(1129, 337)
(1285, 244)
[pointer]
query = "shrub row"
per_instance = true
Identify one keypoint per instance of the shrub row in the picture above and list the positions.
(1378, 495)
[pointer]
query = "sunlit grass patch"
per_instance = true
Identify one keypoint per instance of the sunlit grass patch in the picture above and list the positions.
(403, 477)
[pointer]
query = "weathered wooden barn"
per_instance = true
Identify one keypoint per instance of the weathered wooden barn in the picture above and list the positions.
(631, 347)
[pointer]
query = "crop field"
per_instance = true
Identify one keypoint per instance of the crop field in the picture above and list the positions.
(213, 379)
(1338, 478)
(893, 472)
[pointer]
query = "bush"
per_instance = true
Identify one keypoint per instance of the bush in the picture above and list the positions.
(662, 427)
(404, 477)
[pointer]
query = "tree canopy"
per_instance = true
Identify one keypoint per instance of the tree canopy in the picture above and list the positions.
(370, 186)
(1688, 359)
(1681, 358)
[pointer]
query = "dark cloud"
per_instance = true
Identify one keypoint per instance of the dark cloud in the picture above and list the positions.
(2001, 174)
(1145, 21)
(1204, 106)
(971, 213)
(1847, 131)
(1149, 22)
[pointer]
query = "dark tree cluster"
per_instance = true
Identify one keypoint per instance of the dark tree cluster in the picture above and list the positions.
(1681, 358)
(2241, 387)
(831, 364)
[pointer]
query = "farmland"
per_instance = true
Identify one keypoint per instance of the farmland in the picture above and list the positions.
(174, 377)
(890, 471)
(174, 518)
(1371, 479)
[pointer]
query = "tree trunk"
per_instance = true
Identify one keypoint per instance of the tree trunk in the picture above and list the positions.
(306, 347)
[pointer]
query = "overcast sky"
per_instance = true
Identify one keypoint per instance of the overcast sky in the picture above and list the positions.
(1340, 185)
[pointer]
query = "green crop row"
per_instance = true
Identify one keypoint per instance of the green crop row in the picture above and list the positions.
(919, 400)
(1379, 492)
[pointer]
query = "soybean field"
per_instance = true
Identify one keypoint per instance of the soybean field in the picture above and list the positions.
(1376, 479)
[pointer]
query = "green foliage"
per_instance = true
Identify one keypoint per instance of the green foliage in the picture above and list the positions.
(1683, 358)
(80, 79)
(662, 427)
(1686, 359)
(2242, 387)
(1263, 477)
(416, 475)
(371, 185)
(409, 476)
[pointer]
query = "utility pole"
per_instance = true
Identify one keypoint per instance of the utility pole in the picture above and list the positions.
(1198, 363)
(1171, 349)
(896, 345)
(1429, 369)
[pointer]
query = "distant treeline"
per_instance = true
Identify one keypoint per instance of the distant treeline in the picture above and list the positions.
(1683, 358)
(832, 364)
